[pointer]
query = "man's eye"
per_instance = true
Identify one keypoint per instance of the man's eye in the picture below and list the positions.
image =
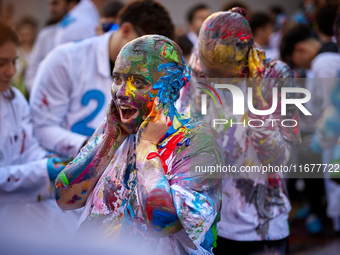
(138, 82)
(117, 80)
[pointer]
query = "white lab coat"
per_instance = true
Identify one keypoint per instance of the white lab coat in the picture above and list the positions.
(23, 168)
(42, 46)
(71, 92)
(78, 24)
(24, 178)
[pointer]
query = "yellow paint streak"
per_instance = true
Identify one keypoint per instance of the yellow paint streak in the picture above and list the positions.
(130, 88)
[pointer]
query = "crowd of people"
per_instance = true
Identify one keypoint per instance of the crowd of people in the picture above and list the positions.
(100, 127)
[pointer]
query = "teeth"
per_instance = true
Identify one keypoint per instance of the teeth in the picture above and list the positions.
(124, 108)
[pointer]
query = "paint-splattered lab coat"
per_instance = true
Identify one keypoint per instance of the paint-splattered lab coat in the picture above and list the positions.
(254, 207)
(113, 208)
(24, 179)
(23, 171)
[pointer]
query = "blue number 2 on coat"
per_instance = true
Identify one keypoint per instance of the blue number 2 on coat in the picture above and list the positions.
(81, 126)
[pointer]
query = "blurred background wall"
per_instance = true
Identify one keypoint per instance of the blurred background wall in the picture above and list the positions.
(177, 8)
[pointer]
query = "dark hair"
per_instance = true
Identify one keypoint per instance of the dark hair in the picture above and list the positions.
(325, 17)
(259, 20)
(70, 1)
(149, 16)
(192, 12)
(112, 9)
(226, 7)
(297, 34)
(276, 9)
(185, 44)
(7, 34)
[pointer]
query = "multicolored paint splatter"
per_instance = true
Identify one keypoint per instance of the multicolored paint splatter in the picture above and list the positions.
(253, 208)
(133, 173)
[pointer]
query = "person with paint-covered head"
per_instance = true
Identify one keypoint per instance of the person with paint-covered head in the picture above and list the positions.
(133, 174)
(254, 209)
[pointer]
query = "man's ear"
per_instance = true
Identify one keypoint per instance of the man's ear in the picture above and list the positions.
(126, 29)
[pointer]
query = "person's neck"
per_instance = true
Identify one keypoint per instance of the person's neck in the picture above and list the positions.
(324, 38)
(113, 47)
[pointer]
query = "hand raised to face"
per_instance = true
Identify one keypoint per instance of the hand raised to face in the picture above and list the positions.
(113, 126)
(155, 125)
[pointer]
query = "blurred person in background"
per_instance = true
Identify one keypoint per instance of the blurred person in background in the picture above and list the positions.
(302, 49)
(195, 17)
(80, 22)
(27, 31)
(254, 214)
(262, 27)
(45, 39)
(231, 4)
(325, 141)
(27, 173)
(72, 87)
(109, 17)
(279, 17)
(306, 12)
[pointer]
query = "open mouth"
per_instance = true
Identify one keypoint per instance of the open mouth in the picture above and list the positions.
(127, 113)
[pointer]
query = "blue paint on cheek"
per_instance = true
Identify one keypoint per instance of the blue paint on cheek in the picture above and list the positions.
(161, 219)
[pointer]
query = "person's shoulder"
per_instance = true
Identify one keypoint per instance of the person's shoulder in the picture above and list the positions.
(326, 65)
(277, 69)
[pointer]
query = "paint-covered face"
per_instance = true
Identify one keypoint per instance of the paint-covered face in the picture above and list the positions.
(135, 73)
(224, 43)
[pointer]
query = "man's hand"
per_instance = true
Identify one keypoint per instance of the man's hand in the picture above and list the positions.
(55, 165)
(113, 126)
(154, 126)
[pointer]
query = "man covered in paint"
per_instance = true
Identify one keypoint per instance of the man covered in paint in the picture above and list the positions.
(255, 208)
(133, 174)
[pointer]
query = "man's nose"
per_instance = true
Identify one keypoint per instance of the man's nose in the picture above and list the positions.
(11, 69)
(122, 92)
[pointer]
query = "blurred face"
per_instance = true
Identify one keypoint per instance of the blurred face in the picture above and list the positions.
(131, 88)
(8, 56)
(304, 53)
(263, 34)
(26, 34)
(199, 17)
(58, 9)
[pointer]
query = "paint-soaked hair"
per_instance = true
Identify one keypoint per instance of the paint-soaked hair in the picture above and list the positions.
(219, 28)
(149, 17)
(7, 34)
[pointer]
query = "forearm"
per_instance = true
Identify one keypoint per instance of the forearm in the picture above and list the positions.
(154, 192)
(76, 181)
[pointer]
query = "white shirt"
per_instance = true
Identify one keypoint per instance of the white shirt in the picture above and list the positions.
(42, 46)
(193, 38)
(78, 24)
(23, 168)
(71, 92)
